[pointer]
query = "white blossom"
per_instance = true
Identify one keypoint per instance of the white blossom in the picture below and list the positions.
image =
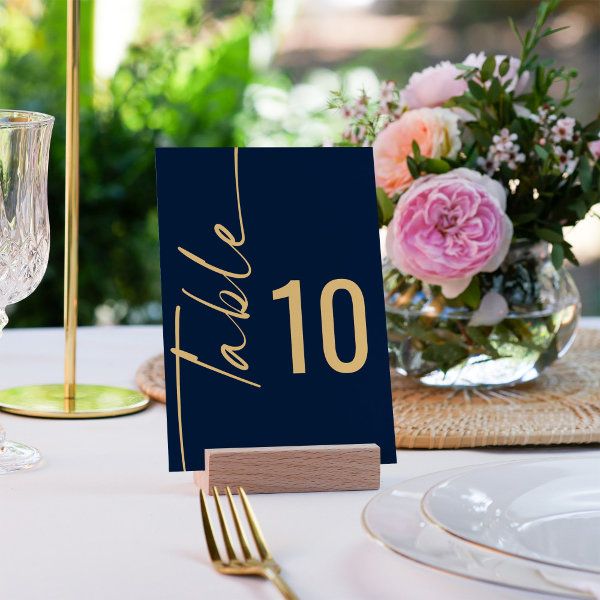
(361, 106)
(488, 164)
(387, 95)
(504, 140)
(563, 130)
(566, 162)
(347, 111)
(503, 150)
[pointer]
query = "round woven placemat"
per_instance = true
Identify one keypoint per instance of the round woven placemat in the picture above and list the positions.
(150, 378)
(560, 407)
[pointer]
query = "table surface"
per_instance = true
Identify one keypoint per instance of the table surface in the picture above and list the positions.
(102, 518)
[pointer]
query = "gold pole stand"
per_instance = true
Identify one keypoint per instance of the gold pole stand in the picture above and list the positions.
(71, 401)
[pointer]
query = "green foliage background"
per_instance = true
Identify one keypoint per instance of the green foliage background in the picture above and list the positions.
(189, 79)
(182, 88)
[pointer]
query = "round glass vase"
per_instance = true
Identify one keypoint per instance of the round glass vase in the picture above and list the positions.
(440, 341)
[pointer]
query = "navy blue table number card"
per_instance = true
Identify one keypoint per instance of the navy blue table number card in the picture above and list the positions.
(273, 309)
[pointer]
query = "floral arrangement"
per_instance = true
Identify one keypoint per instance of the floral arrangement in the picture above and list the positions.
(473, 161)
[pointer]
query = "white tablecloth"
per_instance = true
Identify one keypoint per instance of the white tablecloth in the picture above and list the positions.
(103, 519)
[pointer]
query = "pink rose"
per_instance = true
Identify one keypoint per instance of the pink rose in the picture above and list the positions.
(516, 82)
(595, 148)
(433, 86)
(447, 228)
(434, 129)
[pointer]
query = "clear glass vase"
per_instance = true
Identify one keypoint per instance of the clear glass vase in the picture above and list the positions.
(440, 341)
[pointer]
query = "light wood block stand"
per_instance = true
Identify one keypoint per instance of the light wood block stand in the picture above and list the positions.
(292, 469)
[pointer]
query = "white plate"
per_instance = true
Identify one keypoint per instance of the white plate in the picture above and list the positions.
(542, 510)
(394, 519)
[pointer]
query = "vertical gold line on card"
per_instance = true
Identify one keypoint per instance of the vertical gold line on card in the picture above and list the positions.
(178, 383)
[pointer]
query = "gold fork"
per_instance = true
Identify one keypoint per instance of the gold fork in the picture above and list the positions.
(265, 567)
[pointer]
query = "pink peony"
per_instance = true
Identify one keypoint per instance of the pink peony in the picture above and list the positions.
(447, 228)
(595, 148)
(434, 129)
(516, 82)
(433, 86)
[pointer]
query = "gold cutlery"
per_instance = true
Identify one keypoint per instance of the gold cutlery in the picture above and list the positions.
(264, 567)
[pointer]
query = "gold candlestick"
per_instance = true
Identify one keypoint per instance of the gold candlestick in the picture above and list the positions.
(71, 204)
(70, 401)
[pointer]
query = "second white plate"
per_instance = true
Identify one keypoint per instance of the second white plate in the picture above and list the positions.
(542, 510)
(394, 519)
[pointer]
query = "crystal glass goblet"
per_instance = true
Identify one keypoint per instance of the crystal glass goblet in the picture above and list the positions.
(24, 230)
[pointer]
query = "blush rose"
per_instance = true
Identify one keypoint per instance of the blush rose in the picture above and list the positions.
(595, 149)
(447, 228)
(433, 86)
(434, 129)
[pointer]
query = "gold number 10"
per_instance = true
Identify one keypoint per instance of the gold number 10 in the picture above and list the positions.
(292, 291)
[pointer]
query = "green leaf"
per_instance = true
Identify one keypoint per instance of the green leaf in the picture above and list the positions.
(481, 338)
(551, 31)
(472, 156)
(522, 331)
(570, 256)
(524, 218)
(472, 295)
(513, 26)
(495, 90)
(435, 165)
(591, 198)
(543, 154)
(585, 174)
(424, 333)
(504, 67)
(385, 206)
(579, 207)
(558, 255)
(549, 235)
(446, 355)
(412, 167)
(488, 68)
(483, 137)
(476, 90)
(416, 151)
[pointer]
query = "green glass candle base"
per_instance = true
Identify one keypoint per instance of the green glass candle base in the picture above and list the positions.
(91, 402)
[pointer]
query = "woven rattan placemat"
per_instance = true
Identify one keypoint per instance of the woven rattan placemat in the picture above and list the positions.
(561, 407)
(150, 378)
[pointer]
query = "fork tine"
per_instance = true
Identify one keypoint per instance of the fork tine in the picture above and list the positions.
(213, 550)
(224, 528)
(238, 526)
(261, 545)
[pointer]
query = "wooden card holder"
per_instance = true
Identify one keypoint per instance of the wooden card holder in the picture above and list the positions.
(292, 469)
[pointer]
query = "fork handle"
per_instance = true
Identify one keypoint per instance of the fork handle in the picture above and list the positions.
(281, 585)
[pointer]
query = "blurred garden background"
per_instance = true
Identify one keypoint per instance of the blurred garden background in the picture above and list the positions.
(227, 72)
